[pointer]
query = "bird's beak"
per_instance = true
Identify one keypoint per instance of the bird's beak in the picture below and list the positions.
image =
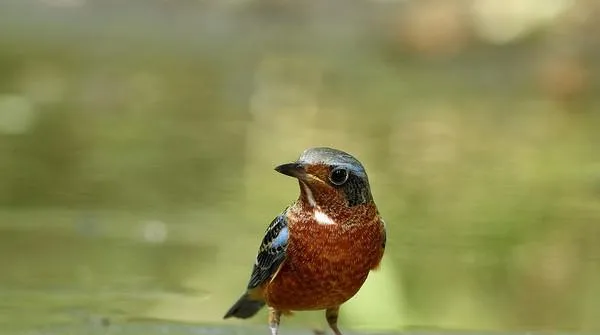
(295, 170)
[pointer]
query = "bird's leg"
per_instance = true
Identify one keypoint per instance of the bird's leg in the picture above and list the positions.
(332, 316)
(274, 316)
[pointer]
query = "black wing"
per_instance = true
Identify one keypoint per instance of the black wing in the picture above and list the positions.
(271, 253)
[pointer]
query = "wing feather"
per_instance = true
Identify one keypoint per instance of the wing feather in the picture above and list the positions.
(271, 253)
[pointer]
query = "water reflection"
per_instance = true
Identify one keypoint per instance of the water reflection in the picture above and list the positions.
(137, 142)
(54, 276)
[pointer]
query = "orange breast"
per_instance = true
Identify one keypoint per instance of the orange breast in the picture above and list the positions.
(325, 264)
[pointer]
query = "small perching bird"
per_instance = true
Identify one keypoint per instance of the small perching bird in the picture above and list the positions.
(317, 253)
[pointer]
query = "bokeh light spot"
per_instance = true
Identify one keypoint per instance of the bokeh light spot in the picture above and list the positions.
(155, 231)
(16, 114)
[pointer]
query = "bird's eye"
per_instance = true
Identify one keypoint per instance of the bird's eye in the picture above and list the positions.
(338, 176)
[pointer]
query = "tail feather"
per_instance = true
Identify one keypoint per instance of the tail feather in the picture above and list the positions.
(244, 308)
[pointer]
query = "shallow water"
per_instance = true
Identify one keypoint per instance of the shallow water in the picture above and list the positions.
(138, 140)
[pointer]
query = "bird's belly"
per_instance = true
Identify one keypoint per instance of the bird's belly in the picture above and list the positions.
(314, 288)
(324, 270)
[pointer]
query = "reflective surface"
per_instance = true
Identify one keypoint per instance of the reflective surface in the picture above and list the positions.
(138, 141)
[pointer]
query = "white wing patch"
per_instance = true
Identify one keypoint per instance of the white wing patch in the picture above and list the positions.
(323, 218)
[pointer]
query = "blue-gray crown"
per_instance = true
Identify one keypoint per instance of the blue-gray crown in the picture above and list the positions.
(332, 157)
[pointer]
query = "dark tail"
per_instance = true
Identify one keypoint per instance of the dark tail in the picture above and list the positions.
(244, 308)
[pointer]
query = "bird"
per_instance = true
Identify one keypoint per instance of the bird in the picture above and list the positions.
(318, 252)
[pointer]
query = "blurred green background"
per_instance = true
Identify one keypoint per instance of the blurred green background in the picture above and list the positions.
(138, 140)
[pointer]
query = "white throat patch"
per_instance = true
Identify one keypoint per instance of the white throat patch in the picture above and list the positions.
(309, 195)
(319, 215)
(323, 218)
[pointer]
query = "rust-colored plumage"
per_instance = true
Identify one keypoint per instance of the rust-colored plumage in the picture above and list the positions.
(318, 253)
(325, 264)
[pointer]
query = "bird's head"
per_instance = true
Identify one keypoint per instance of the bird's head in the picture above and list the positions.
(329, 178)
